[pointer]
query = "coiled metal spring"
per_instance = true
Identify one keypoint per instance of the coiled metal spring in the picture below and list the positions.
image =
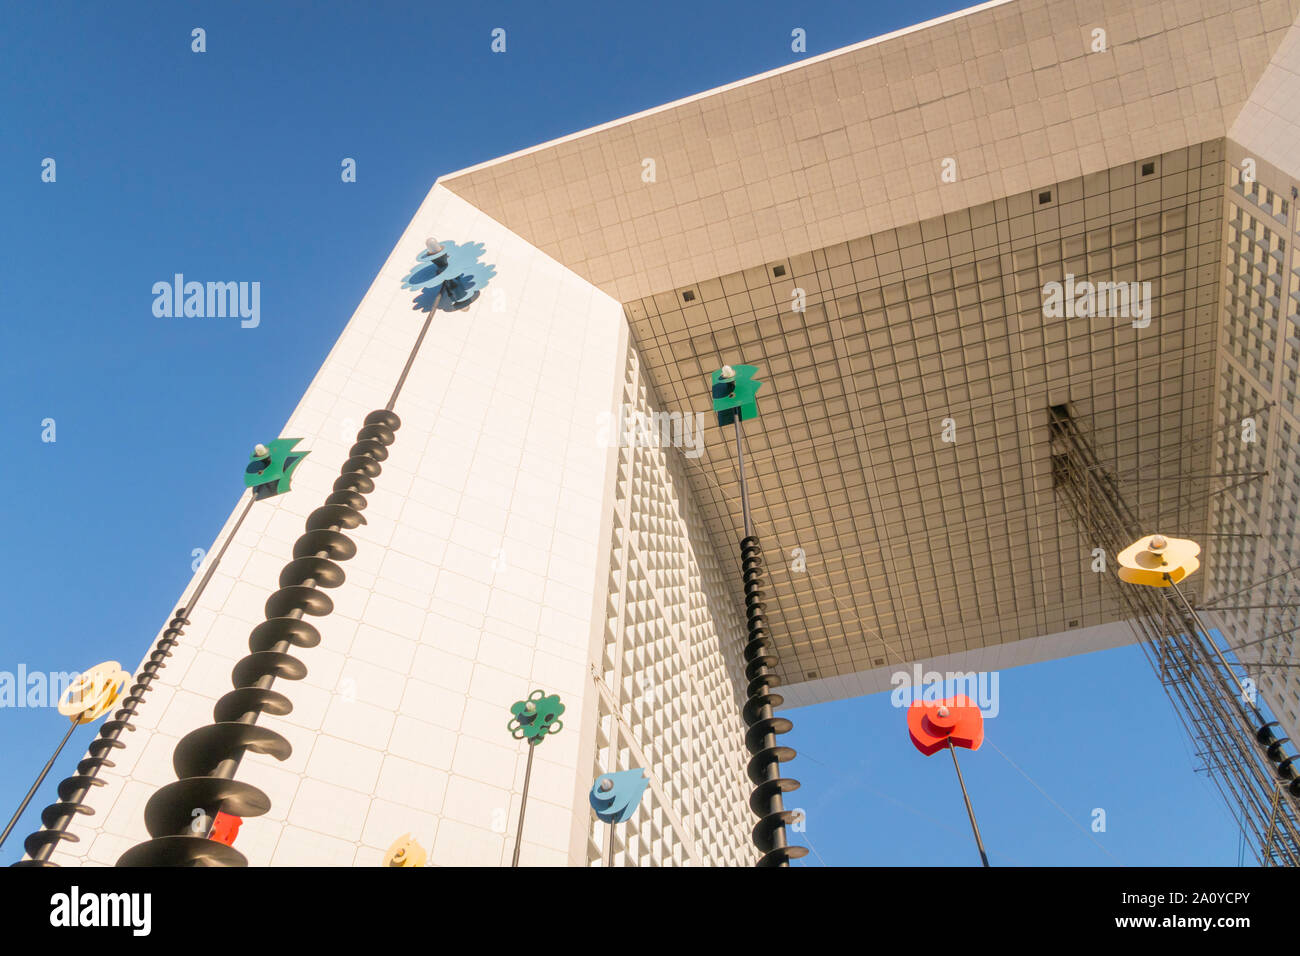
(57, 817)
(765, 756)
(206, 759)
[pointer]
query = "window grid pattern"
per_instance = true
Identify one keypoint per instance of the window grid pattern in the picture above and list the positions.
(1291, 345)
(1240, 398)
(1265, 199)
(1259, 378)
(1253, 301)
(671, 659)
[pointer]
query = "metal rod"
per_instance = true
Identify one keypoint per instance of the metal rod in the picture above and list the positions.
(415, 350)
(744, 492)
(1272, 827)
(1245, 607)
(1213, 645)
(1230, 427)
(221, 553)
(144, 681)
(523, 805)
(37, 785)
(970, 811)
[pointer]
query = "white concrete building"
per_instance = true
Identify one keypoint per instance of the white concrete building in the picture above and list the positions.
(913, 195)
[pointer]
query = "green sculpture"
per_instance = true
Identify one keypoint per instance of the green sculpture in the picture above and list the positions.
(735, 393)
(535, 717)
(271, 466)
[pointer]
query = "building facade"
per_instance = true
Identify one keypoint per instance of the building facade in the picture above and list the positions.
(876, 229)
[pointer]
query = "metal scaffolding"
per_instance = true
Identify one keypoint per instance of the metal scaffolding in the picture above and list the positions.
(1230, 730)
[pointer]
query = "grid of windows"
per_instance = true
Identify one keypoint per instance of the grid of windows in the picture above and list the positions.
(1254, 263)
(671, 669)
(1243, 439)
(1254, 519)
(1262, 196)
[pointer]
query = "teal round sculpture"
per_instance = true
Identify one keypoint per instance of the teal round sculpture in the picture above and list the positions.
(536, 717)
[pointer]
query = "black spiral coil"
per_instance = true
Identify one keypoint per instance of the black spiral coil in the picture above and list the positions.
(206, 759)
(1283, 763)
(57, 817)
(765, 756)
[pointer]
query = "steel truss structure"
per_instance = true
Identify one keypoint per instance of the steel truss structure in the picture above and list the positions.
(1229, 726)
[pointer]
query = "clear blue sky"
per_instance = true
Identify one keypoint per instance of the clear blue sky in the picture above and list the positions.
(226, 165)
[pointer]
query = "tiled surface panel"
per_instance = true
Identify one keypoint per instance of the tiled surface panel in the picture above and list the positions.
(916, 547)
(472, 584)
(853, 143)
(1269, 122)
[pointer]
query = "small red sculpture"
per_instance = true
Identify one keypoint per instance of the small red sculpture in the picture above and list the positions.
(932, 723)
(225, 828)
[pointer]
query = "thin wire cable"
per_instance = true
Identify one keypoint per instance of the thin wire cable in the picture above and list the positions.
(902, 658)
(1048, 796)
(857, 783)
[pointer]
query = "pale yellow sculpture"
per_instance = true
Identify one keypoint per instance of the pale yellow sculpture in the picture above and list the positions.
(405, 851)
(94, 692)
(1149, 559)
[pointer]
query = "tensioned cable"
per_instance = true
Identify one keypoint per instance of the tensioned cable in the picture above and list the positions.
(1064, 812)
(858, 783)
(852, 613)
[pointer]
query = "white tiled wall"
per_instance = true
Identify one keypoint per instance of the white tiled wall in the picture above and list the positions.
(400, 724)
(1269, 123)
(671, 676)
(852, 142)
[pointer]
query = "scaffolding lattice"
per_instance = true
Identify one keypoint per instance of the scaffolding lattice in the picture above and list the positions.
(1196, 673)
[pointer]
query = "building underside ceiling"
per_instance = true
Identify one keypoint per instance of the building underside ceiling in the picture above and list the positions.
(918, 547)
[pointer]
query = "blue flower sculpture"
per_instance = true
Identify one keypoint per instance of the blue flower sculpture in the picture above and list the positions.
(456, 271)
(615, 796)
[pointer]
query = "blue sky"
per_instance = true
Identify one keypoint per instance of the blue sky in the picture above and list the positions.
(226, 165)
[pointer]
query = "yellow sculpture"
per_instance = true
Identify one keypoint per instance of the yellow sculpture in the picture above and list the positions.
(1149, 559)
(405, 851)
(94, 692)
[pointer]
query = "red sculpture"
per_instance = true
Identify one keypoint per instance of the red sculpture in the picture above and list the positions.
(932, 723)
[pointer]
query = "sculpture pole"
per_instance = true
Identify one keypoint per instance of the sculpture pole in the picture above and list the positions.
(734, 399)
(40, 779)
(533, 719)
